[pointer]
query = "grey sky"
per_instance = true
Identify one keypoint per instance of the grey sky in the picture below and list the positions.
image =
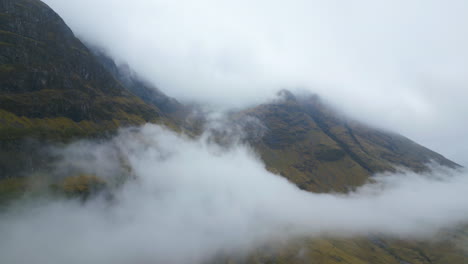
(398, 64)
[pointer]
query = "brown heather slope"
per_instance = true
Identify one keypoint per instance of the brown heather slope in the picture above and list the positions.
(53, 88)
(321, 151)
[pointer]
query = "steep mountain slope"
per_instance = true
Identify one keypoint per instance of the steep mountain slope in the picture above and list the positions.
(313, 146)
(149, 93)
(132, 82)
(51, 84)
(52, 87)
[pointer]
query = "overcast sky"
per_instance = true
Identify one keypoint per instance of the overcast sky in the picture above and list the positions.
(398, 64)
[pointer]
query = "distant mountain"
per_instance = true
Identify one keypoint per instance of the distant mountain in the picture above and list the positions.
(54, 89)
(320, 150)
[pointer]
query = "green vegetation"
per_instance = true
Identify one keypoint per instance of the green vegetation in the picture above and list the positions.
(11, 188)
(359, 251)
(5, 44)
(6, 68)
(61, 128)
(308, 143)
(297, 148)
(82, 185)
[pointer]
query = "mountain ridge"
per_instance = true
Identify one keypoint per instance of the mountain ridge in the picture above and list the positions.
(314, 144)
(51, 80)
(55, 89)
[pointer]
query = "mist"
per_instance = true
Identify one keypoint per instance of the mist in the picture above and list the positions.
(189, 200)
(395, 64)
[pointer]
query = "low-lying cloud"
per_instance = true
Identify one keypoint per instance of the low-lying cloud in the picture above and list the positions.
(191, 200)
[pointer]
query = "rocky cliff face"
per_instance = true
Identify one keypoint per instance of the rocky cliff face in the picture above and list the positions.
(50, 81)
(52, 87)
(135, 84)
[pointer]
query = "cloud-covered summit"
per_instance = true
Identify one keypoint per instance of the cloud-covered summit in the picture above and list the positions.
(397, 64)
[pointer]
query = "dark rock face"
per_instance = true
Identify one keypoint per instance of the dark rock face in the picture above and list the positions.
(46, 72)
(53, 88)
(136, 85)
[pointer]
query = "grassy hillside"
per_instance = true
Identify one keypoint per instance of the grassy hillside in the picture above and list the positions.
(321, 151)
(364, 251)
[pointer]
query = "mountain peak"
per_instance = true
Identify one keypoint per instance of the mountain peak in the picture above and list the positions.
(286, 95)
(311, 144)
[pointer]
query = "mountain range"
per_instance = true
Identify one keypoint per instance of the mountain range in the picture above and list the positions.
(54, 89)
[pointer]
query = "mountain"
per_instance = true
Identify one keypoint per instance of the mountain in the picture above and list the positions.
(55, 89)
(320, 150)
(53, 85)
(135, 84)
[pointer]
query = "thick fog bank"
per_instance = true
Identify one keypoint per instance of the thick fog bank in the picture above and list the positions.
(191, 199)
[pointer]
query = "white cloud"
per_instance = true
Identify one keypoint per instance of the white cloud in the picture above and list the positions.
(193, 200)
